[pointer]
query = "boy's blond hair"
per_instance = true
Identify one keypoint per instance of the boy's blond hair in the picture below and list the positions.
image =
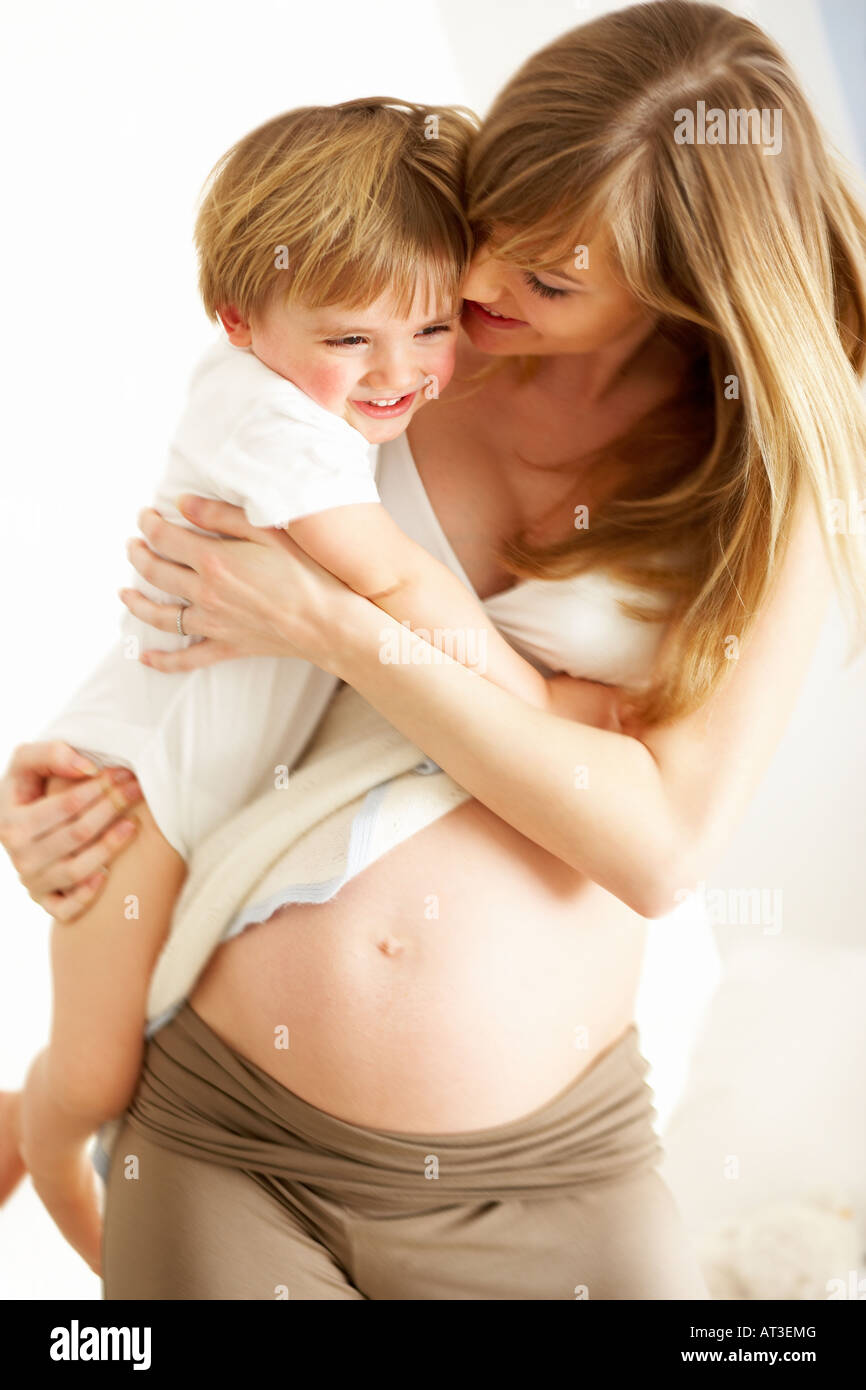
(336, 205)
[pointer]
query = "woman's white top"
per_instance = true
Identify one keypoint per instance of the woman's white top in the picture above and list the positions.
(573, 625)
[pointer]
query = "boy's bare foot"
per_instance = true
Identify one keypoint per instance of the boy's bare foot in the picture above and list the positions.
(12, 1168)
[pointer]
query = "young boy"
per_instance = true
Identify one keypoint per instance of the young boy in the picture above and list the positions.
(331, 245)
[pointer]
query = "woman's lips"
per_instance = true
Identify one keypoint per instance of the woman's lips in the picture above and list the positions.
(385, 412)
(493, 320)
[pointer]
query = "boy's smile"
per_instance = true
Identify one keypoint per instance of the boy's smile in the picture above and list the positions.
(385, 409)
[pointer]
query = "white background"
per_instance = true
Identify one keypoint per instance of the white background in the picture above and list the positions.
(112, 117)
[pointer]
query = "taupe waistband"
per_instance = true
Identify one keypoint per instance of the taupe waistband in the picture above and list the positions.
(198, 1096)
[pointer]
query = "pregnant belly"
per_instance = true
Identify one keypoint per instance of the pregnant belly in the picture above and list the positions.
(457, 983)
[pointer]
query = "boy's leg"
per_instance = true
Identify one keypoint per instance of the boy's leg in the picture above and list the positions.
(12, 1168)
(102, 962)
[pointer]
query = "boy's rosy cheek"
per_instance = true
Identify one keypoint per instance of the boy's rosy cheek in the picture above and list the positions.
(328, 382)
(442, 367)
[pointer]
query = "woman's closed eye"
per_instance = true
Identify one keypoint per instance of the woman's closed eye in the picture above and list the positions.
(538, 287)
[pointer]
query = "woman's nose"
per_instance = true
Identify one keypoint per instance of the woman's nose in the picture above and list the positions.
(484, 279)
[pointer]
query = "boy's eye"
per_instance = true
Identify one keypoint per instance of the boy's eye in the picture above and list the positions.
(354, 339)
(538, 287)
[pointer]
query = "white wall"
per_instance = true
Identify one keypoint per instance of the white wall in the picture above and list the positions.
(113, 116)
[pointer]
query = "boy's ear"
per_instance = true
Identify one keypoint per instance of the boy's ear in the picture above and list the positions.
(237, 329)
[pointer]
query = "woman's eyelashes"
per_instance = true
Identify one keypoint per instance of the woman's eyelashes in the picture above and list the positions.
(538, 287)
(355, 339)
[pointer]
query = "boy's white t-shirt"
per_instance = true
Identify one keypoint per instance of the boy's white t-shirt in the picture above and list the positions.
(250, 437)
(204, 742)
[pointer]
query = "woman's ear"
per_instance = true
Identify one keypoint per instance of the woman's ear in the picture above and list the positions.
(238, 329)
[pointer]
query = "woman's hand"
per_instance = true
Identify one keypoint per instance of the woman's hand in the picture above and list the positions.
(249, 591)
(61, 824)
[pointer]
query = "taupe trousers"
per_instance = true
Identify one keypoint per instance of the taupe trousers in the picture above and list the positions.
(225, 1185)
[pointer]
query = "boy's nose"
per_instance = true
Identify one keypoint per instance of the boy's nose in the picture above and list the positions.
(395, 377)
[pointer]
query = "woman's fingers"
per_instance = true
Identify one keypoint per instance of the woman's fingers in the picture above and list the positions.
(72, 884)
(206, 653)
(51, 862)
(25, 822)
(174, 556)
(60, 841)
(159, 615)
(164, 574)
(163, 616)
(80, 867)
(24, 780)
(250, 591)
(65, 907)
(50, 759)
(186, 547)
(26, 832)
(221, 517)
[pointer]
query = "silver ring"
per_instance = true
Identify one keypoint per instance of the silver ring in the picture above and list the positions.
(180, 619)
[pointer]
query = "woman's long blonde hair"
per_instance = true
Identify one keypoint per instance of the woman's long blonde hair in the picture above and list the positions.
(755, 262)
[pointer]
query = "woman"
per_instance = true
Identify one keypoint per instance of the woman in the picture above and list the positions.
(664, 340)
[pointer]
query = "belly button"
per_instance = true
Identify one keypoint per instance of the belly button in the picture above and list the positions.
(389, 946)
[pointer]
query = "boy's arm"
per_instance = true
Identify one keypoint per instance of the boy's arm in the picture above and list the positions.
(363, 545)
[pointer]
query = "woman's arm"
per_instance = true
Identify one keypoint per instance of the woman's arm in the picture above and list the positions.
(641, 816)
